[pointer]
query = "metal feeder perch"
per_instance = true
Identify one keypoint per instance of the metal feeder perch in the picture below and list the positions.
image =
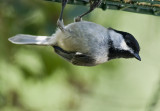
(151, 7)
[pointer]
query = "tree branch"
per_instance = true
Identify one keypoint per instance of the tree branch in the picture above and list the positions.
(151, 7)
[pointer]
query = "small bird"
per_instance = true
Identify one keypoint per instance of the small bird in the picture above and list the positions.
(85, 43)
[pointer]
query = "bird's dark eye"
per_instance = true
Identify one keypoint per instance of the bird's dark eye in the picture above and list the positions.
(128, 43)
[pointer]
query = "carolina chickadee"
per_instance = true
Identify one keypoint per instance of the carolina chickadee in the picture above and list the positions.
(85, 43)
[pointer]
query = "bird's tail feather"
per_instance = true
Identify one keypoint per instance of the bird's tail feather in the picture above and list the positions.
(30, 39)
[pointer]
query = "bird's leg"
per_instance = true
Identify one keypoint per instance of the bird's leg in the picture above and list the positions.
(93, 5)
(60, 20)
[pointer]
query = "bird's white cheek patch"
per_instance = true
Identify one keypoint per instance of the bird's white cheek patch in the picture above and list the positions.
(124, 46)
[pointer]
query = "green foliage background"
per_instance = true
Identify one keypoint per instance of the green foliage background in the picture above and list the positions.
(34, 78)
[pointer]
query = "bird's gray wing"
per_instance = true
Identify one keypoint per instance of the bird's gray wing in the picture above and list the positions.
(66, 55)
(75, 58)
(83, 60)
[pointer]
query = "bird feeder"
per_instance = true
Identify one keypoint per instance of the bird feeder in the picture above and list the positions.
(151, 7)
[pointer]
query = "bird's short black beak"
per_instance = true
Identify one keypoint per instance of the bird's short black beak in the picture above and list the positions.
(137, 56)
